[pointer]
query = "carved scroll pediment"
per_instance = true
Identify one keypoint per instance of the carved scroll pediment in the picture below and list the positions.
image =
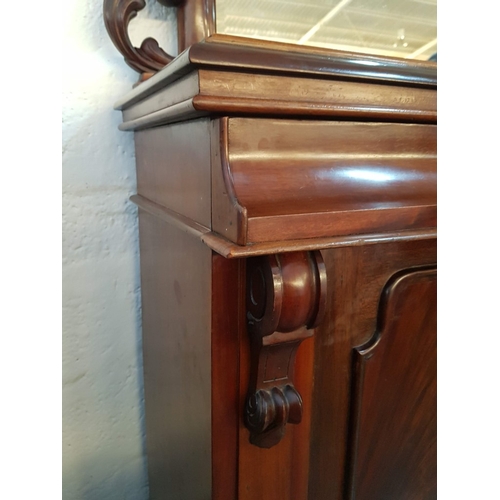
(195, 22)
(147, 58)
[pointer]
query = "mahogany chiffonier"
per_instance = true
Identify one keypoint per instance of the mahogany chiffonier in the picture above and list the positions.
(287, 217)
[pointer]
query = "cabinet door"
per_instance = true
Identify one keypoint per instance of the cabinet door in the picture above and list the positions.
(367, 380)
(393, 418)
(373, 411)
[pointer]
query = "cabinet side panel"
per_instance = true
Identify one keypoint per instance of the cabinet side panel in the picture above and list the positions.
(173, 167)
(176, 319)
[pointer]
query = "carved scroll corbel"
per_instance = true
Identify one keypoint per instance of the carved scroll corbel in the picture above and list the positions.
(286, 296)
(149, 57)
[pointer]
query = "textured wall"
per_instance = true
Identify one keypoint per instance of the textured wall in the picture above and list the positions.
(103, 430)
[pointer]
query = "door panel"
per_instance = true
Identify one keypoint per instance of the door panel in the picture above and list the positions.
(358, 277)
(393, 438)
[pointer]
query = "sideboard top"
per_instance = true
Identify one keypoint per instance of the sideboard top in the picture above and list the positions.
(230, 53)
(301, 143)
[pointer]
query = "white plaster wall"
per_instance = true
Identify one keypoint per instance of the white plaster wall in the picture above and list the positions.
(103, 428)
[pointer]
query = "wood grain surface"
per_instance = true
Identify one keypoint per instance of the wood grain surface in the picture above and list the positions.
(254, 77)
(230, 250)
(356, 278)
(288, 179)
(176, 325)
(227, 299)
(286, 298)
(172, 173)
(299, 150)
(393, 422)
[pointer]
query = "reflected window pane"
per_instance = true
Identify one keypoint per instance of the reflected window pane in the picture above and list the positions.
(401, 28)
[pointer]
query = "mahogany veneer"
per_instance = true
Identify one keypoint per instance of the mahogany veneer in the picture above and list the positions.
(287, 209)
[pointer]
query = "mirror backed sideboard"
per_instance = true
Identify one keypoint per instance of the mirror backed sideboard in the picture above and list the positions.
(286, 199)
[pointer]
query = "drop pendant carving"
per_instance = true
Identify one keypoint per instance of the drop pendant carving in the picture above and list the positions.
(286, 296)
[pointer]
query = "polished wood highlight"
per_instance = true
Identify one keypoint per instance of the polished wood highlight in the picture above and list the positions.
(286, 297)
(284, 179)
(250, 53)
(262, 56)
(265, 192)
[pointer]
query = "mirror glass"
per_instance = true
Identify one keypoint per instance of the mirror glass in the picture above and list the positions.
(400, 28)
